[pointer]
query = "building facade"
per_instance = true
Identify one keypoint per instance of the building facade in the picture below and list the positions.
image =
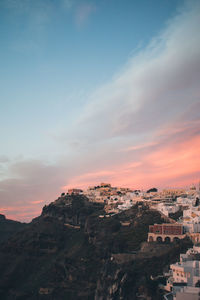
(165, 232)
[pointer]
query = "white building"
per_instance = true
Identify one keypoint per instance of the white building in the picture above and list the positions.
(189, 254)
(126, 205)
(185, 202)
(187, 293)
(192, 212)
(186, 271)
(190, 199)
(191, 226)
(191, 220)
(168, 208)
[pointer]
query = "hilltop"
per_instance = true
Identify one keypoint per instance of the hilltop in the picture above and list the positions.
(9, 227)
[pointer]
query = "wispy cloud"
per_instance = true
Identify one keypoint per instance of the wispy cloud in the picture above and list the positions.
(83, 13)
(29, 181)
(151, 105)
(138, 147)
(155, 87)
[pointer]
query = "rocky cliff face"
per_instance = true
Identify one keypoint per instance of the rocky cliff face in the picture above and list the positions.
(70, 253)
(71, 209)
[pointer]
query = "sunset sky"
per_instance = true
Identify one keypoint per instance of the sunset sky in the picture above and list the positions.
(94, 91)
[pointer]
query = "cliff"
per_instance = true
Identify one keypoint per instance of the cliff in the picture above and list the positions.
(70, 253)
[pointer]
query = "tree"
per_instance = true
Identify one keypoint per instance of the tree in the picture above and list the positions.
(152, 190)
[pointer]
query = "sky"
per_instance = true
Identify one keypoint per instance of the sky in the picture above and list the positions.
(96, 91)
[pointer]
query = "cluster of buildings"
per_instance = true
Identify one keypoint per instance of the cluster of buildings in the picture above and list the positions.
(115, 199)
(183, 279)
(167, 201)
(181, 209)
(185, 206)
(181, 203)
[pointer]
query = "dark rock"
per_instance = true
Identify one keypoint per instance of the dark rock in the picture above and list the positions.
(2, 217)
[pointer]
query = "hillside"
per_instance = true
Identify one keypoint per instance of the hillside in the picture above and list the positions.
(70, 253)
(9, 227)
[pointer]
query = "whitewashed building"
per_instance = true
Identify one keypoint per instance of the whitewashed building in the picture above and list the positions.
(168, 208)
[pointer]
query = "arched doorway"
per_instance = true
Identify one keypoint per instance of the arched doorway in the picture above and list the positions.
(167, 240)
(159, 239)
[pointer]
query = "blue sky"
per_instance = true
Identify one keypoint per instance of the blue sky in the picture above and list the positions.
(55, 53)
(96, 91)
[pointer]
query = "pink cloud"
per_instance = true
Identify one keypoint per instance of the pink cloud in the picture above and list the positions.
(24, 213)
(87, 179)
(176, 163)
(37, 201)
(138, 147)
